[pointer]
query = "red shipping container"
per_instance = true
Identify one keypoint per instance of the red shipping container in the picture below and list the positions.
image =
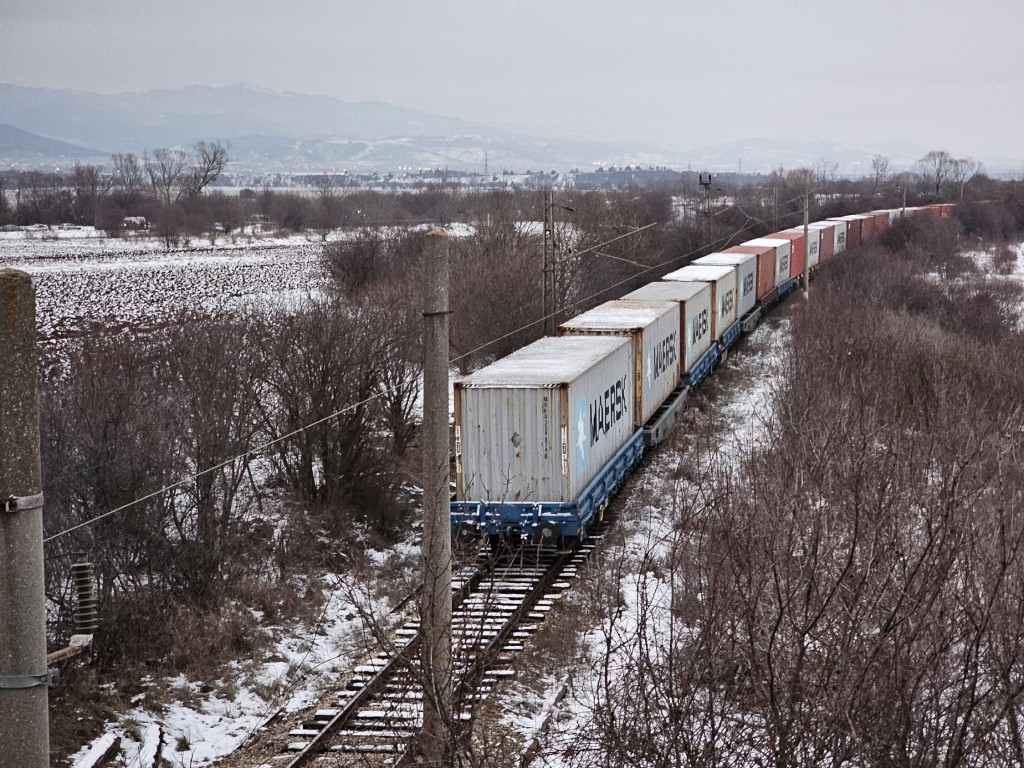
(879, 223)
(796, 251)
(765, 266)
(867, 228)
(826, 249)
(853, 230)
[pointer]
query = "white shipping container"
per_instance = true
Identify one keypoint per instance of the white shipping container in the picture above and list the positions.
(695, 319)
(813, 243)
(746, 276)
(722, 280)
(840, 236)
(782, 248)
(654, 330)
(538, 425)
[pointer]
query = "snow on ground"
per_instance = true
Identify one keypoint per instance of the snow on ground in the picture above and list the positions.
(192, 723)
(100, 283)
(647, 516)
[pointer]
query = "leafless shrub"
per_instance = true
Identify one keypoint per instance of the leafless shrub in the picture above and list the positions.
(1004, 261)
(849, 595)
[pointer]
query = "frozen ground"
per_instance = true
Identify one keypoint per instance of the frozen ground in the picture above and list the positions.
(191, 723)
(647, 515)
(87, 283)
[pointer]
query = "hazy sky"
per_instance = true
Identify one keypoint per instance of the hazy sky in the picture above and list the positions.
(940, 74)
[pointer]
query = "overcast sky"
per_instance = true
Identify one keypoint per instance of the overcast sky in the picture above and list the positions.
(939, 74)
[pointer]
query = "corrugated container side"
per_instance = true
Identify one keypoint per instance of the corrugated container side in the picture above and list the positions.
(826, 246)
(796, 250)
(765, 266)
(722, 280)
(746, 276)
(814, 247)
(544, 443)
(840, 236)
(853, 231)
(876, 223)
(782, 256)
(867, 228)
(654, 329)
(695, 318)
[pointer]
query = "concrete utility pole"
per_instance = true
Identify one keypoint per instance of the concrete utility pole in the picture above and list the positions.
(436, 604)
(549, 265)
(807, 242)
(24, 722)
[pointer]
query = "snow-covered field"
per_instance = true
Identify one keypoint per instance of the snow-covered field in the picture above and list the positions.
(84, 282)
(197, 728)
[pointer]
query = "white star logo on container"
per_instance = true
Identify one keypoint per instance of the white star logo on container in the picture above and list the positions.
(649, 367)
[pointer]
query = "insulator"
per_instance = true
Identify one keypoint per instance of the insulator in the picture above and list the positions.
(87, 619)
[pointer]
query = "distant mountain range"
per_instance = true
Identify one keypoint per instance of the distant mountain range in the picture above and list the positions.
(270, 131)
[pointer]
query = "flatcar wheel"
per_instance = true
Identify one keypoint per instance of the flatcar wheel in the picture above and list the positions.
(466, 532)
(546, 535)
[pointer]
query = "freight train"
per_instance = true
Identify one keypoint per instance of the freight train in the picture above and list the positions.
(546, 436)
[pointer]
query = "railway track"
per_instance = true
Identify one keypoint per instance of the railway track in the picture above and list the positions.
(378, 714)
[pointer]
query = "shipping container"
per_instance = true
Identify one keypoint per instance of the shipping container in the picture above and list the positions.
(654, 330)
(796, 249)
(540, 424)
(827, 242)
(746, 276)
(853, 229)
(765, 265)
(722, 280)
(695, 317)
(782, 256)
(879, 222)
(814, 242)
(841, 231)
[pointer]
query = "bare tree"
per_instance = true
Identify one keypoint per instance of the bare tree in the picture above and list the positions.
(935, 169)
(128, 178)
(327, 214)
(174, 174)
(962, 171)
(208, 163)
(881, 170)
(90, 185)
(166, 170)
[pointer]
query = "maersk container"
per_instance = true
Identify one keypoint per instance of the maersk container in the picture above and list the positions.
(840, 235)
(654, 329)
(854, 229)
(782, 254)
(746, 276)
(827, 244)
(796, 250)
(813, 245)
(765, 255)
(722, 280)
(695, 317)
(538, 425)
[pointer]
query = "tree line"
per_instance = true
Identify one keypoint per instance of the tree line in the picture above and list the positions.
(848, 591)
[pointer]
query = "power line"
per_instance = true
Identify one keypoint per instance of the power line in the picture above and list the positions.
(349, 408)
